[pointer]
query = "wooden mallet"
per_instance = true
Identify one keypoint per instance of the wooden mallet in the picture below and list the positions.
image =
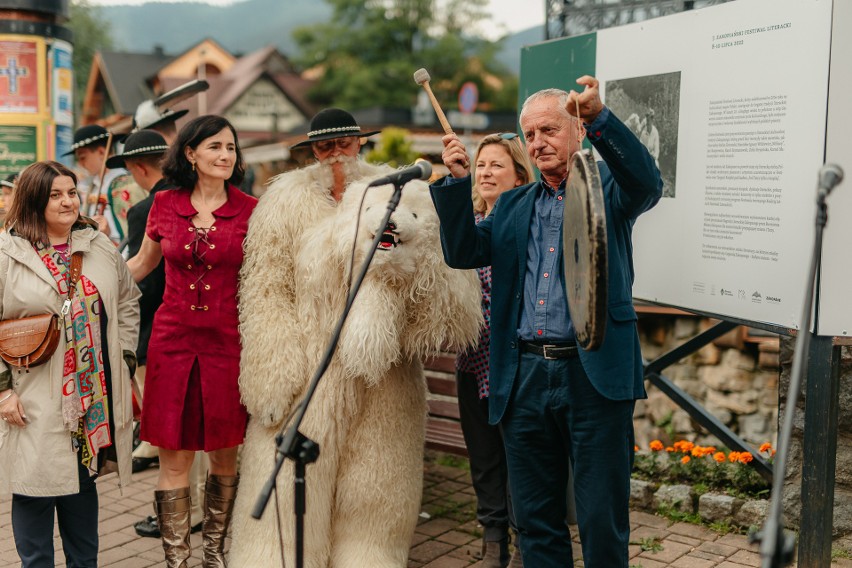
(421, 77)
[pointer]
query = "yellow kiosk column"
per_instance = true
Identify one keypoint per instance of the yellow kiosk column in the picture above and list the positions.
(36, 83)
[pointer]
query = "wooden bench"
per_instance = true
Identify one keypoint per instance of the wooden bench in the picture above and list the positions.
(443, 429)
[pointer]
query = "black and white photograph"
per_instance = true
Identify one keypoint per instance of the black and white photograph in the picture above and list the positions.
(650, 107)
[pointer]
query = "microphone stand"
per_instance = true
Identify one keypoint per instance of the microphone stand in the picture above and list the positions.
(777, 547)
(293, 444)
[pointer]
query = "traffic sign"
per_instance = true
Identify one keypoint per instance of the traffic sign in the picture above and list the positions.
(468, 97)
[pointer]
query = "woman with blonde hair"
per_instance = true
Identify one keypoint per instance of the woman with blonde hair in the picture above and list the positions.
(500, 163)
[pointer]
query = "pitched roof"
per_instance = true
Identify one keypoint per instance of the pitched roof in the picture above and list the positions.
(267, 62)
(126, 76)
(131, 78)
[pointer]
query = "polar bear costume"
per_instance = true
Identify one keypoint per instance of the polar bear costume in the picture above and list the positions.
(369, 413)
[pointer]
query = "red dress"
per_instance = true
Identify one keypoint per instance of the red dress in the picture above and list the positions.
(192, 399)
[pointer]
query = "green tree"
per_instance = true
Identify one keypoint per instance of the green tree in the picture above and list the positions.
(370, 49)
(394, 149)
(91, 34)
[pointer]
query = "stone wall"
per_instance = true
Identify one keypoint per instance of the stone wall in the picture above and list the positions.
(735, 378)
(742, 380)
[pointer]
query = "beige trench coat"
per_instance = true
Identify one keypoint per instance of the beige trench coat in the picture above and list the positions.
(39, 460)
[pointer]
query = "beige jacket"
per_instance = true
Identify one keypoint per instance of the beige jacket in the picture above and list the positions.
(38, 460)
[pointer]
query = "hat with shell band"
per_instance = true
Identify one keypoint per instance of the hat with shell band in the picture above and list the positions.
(88, 135)
(330, 123)
(142, 143)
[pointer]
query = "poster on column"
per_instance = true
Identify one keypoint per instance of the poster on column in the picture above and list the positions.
(733, 110)
(18, 148)
(61, 82)
(64, 141)
(18, 77)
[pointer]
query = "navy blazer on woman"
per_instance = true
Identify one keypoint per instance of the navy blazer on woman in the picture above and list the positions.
(631, 185)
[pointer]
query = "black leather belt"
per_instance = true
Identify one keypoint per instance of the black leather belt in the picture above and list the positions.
(550, 351)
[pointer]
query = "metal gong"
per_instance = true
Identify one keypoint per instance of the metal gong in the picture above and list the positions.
(584, 251)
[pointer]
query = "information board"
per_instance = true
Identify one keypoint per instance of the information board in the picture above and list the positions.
(733, 108)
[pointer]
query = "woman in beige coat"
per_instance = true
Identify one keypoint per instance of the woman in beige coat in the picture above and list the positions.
(67, 420)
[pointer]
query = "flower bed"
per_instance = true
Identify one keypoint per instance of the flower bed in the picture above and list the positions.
(700, 483)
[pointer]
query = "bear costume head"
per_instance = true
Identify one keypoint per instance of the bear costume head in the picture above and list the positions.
(410, 304)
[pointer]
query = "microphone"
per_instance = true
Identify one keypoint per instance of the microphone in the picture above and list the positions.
(829, 176)
(420, 170)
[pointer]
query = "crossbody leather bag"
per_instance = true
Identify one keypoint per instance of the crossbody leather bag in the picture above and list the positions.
(31, 341)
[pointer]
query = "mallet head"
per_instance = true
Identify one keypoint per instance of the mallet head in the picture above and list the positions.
(421, 76)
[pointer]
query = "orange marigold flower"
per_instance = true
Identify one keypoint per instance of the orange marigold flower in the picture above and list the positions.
(719, 457)
(701, 451)
(733, 457)
(745, 457)
(656, 445)
(684, 459)
(686, 447)
(669, 449)
(635, 448)
(765, 447)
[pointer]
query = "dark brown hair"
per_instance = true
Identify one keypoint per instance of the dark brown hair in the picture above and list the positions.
(176, 166)
(150, 160)
(32, 192)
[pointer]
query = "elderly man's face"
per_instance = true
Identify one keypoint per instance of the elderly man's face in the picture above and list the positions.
(551, 136)
(347, 146)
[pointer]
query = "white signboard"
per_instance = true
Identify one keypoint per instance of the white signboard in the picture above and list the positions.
(733, 101)
(264, 108)
(473, 120)
(835, 305)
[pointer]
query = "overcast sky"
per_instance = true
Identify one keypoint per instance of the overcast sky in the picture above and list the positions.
(515, 15)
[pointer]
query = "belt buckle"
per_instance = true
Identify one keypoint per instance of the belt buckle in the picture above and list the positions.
(545, 349)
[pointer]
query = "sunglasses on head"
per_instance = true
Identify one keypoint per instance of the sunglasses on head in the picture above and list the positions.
(509, 135)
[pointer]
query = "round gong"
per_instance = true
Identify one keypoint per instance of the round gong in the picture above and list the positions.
(584, 251)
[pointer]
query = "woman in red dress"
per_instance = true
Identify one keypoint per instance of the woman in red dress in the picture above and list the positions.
(192, 400)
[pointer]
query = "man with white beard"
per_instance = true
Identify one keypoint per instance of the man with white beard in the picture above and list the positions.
(273, 362)
(294, 202)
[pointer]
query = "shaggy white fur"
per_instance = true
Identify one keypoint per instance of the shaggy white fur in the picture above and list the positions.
(368, 414)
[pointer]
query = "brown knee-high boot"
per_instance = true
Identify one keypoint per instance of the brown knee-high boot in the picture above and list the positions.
(173, 508)
(219, 494)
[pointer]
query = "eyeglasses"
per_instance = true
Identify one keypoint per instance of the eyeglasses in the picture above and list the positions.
(342, 143)
(509, 135)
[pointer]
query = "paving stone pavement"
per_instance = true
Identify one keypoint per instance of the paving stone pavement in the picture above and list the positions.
(447, 535)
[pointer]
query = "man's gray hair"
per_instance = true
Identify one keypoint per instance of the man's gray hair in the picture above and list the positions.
(559, 94)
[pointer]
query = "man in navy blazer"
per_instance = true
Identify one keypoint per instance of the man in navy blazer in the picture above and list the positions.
(553, 400)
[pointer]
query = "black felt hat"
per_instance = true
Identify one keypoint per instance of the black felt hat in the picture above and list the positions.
(331, 123)
(142, 143)
(86, 136)
(9, 181)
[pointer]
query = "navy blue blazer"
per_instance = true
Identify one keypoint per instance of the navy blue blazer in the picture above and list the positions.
(631, 185)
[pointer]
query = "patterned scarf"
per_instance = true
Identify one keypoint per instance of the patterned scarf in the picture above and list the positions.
(85, 408)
